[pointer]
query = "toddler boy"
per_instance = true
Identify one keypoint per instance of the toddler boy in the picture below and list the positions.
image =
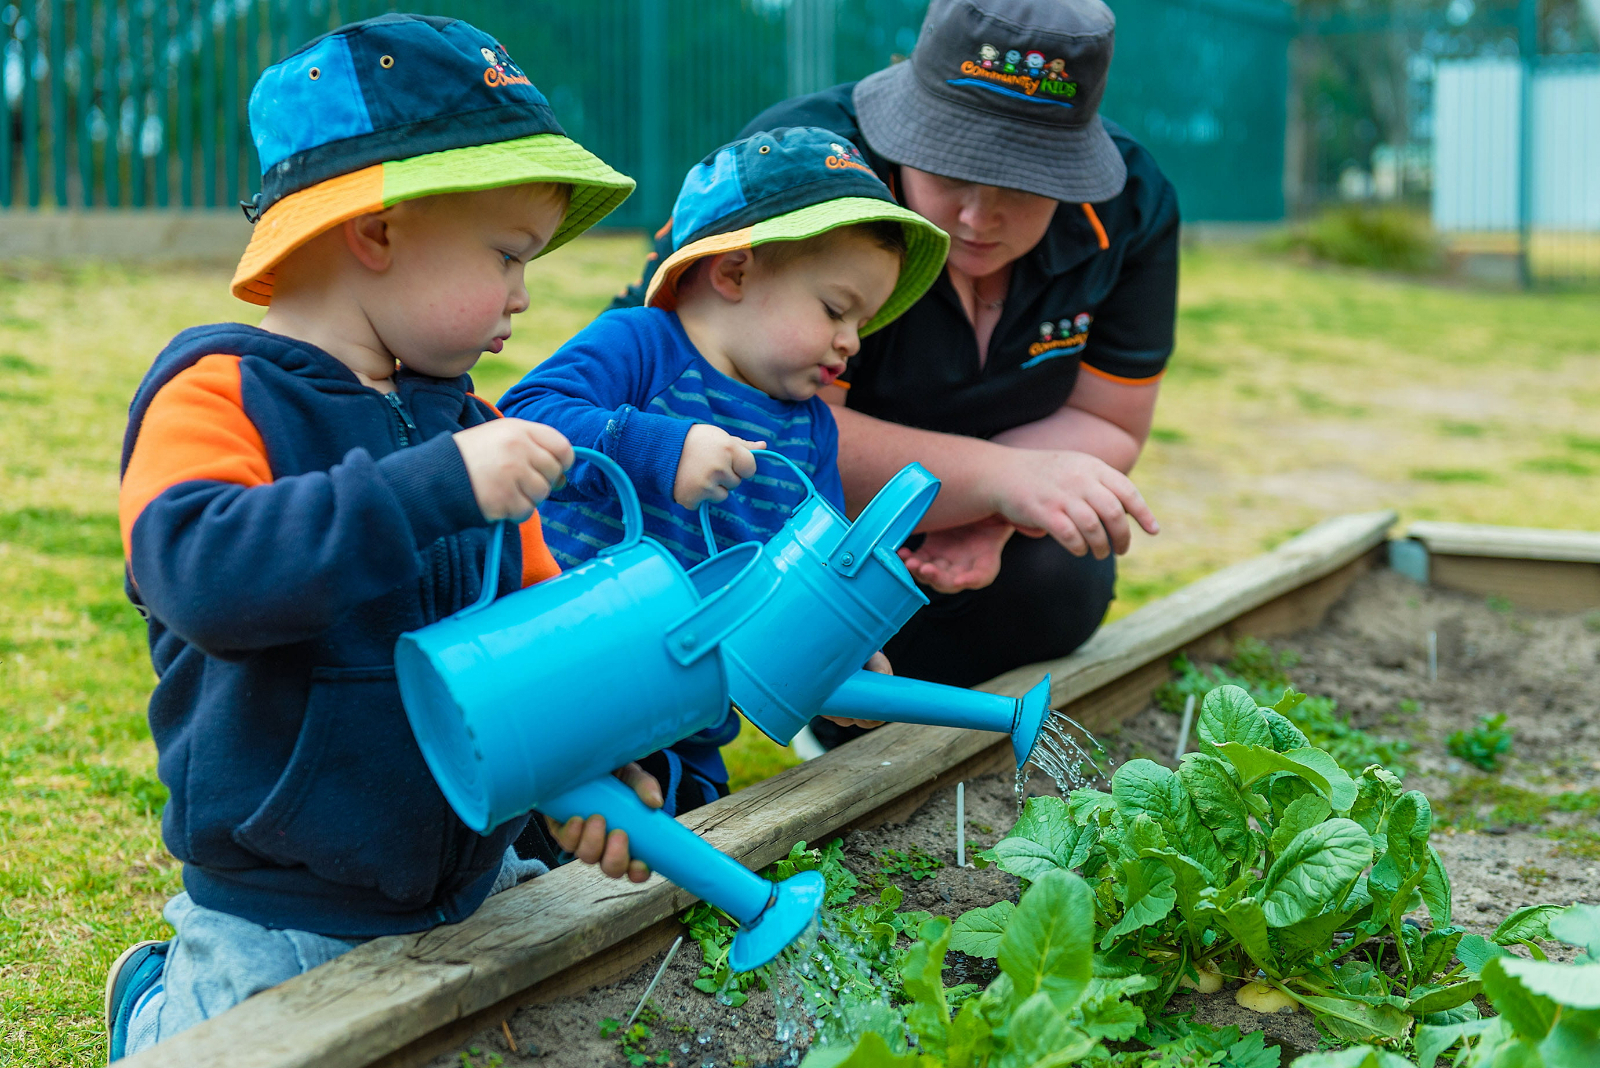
(296, 496)
(786, 250)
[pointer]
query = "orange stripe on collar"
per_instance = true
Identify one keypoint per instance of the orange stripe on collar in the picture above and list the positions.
(1099, 230)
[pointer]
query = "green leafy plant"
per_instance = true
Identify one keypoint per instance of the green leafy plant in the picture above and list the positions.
(913, 861)
(1263, 672)
(1548, 1013)
(633, 1041)
(1259, 857)
(1384, 238)
(1483, 745)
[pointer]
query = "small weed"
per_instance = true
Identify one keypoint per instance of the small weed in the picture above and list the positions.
(1578, 443)
(1478, 804)
(1556, 465)
(1168, 436)
(1498, 604)
(1591, 622)
(1483, 745)
(913, 862)
(633, 1040)
(1533, 875)
(983, 828)
(469, 1058)
(1450, 474)
(1408, 706)
(1581, 842)
(1461, 430)
(10, 361)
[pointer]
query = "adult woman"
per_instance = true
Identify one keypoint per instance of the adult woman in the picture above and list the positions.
(1063, 258)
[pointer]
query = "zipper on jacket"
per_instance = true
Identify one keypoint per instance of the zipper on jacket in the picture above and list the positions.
(403, 423)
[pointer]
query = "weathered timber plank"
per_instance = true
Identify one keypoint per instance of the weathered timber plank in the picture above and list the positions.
(1513, 543)
(1167, 625)
(386, 995)
(391, 991)
(1540, 585)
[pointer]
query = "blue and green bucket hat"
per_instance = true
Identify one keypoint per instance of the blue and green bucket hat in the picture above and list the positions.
(395, 108)
(787, 185)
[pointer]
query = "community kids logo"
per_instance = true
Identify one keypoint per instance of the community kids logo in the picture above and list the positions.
(1019, 74)
(501, 71)
(1065, 337)
(844, 156)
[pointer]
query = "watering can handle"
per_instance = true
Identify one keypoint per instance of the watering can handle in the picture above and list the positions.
(632, 523)
(888, 519)
(705, 506)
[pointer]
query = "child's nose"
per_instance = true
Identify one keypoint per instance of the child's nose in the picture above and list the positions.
(847, 342)
(517, 301)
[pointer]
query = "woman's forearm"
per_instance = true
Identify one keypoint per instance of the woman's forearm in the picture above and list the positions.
(871, 451)
(1079, 431)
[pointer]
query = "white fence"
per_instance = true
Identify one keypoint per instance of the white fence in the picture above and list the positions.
(1477, 146)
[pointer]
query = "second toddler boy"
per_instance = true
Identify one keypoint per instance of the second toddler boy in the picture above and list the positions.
(787, 249)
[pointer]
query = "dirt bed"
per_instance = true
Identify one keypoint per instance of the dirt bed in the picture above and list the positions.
(1501, 848)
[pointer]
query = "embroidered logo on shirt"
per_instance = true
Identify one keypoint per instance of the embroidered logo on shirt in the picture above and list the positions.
(1064, 337)
(1019, 74)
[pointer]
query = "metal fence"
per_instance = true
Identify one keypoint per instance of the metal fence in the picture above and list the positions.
(1485, 114)
(141, 103)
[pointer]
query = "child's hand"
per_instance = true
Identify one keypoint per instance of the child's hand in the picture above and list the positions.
(587, 838)
(713, 462)
(513, 464)
(960, 558)
(880, 664)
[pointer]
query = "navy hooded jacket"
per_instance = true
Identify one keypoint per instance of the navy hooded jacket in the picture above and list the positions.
(283, 524)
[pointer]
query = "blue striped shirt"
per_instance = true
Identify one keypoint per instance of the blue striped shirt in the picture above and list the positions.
(630, 385)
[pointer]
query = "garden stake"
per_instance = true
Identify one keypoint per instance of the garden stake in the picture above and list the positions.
(1183, 728)
(961, 824)
(651, 988)
(1433, 656)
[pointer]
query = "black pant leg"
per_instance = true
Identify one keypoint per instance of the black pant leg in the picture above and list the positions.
(1044, 604)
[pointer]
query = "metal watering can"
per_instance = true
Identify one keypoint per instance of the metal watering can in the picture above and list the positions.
(531, 700)
(842, 592)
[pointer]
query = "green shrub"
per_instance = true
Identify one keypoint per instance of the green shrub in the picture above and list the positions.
(1384, 239)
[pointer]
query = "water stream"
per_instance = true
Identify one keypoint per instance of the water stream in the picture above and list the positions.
(1060, 755)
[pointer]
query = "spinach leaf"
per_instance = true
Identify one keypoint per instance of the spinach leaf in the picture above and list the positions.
(1314, 871)
(1230, 714)
(1048, 946)
(978, 931)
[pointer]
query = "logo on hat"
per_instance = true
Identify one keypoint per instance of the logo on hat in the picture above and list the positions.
(845, 156)
(501, 71)
(1018, 75)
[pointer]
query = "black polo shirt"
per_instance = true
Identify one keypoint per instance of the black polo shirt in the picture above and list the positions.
(1098, 292)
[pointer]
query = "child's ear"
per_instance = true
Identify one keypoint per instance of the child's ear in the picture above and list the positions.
(728, 273)
(367, 238)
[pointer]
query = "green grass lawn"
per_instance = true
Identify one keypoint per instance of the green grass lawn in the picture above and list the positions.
(1296, 394)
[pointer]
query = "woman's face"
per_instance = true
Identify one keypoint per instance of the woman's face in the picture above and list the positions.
(989, 227)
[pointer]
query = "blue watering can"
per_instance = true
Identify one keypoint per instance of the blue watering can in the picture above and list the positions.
(842, 592)
(531, 700)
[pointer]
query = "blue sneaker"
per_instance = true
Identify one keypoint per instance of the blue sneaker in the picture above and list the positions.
(132, 976)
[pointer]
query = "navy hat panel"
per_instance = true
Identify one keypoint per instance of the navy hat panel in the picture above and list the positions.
(318, 81)
(387, 88)
(434, 71)
(769, 174)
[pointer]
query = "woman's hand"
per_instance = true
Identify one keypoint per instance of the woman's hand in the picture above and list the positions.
(880, 664)
(960, 558)
(587, 838)
(1080, 501)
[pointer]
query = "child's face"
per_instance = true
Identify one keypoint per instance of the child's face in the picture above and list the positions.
(456, 274)
(801, 320)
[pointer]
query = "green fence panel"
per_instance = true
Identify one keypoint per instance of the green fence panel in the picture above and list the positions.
(136, 103)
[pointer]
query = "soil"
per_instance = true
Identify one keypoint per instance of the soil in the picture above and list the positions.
(1541, 670)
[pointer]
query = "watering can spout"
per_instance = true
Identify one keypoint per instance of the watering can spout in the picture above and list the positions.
(771, 915)
(870, 695)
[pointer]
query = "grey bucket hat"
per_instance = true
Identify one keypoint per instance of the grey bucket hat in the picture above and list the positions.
(1002, 92)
